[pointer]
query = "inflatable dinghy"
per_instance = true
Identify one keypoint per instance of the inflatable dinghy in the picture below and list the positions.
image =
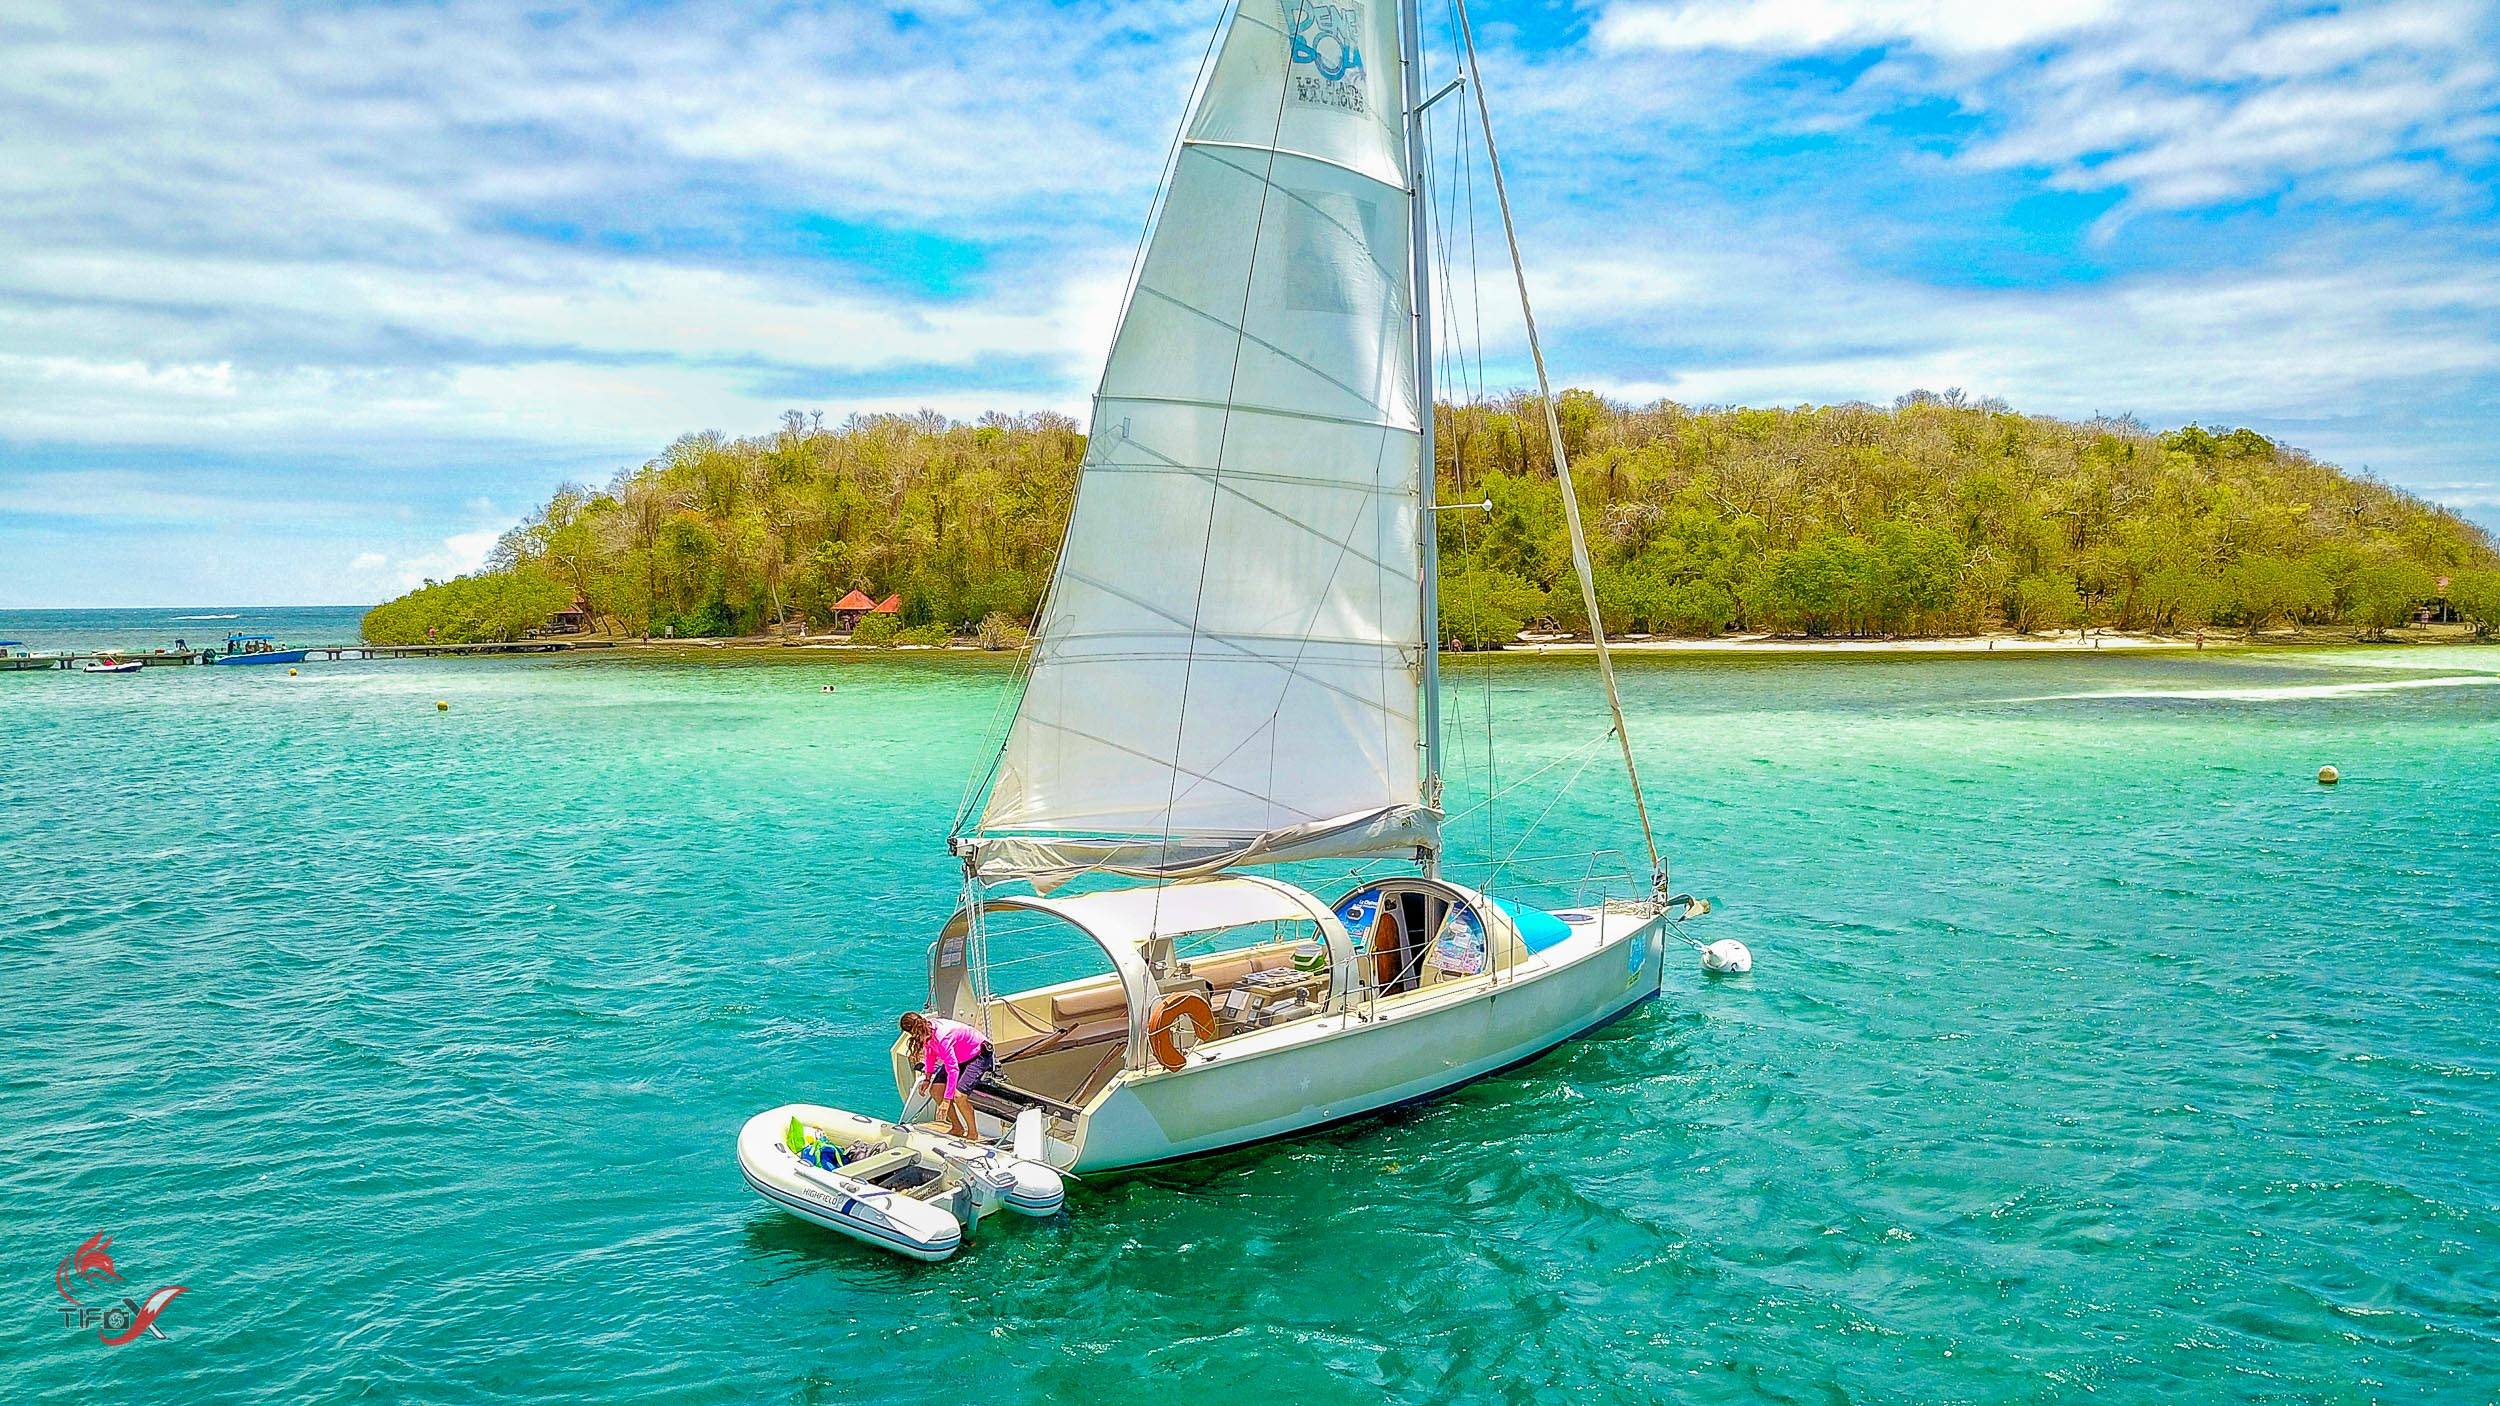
(912, 1190)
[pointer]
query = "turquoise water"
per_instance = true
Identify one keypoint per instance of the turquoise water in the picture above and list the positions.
(2093, 1051)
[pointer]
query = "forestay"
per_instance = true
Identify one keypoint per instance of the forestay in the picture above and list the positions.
(1227, 668)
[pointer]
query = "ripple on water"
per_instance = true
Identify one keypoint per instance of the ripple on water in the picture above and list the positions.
(2092, 1052)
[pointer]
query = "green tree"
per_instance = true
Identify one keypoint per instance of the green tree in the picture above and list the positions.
(2475, 595)
(2383, 594)
(1911, 572)
(2262, 590)
(1486, 609)
(2046, 601)
(1822, 587)
(1926, 516)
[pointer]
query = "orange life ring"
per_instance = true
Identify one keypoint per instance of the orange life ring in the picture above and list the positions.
(1170, 1012)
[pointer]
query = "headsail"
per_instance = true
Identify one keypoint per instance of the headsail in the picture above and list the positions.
(1227, 668)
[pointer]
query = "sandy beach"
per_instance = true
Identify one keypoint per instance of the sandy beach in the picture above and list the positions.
(2060, 642)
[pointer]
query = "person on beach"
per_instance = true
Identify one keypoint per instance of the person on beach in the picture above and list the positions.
(962, 1054)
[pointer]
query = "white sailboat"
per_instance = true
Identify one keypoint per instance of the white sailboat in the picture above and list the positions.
(1237, 668)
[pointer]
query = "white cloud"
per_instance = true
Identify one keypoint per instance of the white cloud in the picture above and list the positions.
(1807, 26)
(106, 496)
(2297, 341)
(399, 224)
(2174, 104)
(453, 253)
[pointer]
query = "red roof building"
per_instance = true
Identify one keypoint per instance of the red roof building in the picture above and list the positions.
(848, 611)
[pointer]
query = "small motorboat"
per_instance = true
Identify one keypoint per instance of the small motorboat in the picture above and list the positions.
(912, 1190)
(14, 655)
(257, 649)
(111, 664)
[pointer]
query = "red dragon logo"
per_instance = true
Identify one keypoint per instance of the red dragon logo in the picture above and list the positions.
(90, 1262)
(90, 1265)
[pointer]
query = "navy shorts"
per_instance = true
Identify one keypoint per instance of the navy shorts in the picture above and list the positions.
(972, 1071)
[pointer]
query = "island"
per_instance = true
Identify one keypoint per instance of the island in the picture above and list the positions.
(1940, 516)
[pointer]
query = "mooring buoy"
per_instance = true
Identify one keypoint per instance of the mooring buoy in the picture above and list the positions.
(2328, 776)
(1726, 957)
(441, 706)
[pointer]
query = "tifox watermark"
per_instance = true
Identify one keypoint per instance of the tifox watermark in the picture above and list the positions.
(87, 1271)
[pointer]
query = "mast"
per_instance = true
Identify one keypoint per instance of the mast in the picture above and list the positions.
(1427, 535)
(1562, 465)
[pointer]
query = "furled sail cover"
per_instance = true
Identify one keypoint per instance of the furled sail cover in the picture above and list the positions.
(1227, 668)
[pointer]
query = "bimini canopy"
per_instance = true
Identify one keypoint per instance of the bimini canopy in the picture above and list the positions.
(1128, 923)
(1140, 916)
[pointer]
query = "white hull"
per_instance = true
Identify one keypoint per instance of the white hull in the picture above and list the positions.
(1272, 1083)
(1343, 1067)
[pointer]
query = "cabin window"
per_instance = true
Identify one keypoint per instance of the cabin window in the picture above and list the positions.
(1409, 936)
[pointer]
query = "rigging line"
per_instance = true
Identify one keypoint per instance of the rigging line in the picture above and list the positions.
(1177, 769)
(1247, 654)
(1590, 755)
(1213, 479)
(1242, 334)
(1415, 131)
(1582, 750)
(1317, 417)
(1562, 467)
(1353, 651)
(1030, 657)
(1163, 182)
(1209, 144)
(1454, 338)
(1302, 648)
(1319, 602)
(1494, 790)
(1223, 438)
(1475, 270)
(1462, 193)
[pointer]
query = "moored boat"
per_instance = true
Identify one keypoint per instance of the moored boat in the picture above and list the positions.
(111, 664)
(1237, 668)
(257, 649)
(911, 1190)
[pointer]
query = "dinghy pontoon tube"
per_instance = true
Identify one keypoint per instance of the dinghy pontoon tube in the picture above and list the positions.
(911, 1190)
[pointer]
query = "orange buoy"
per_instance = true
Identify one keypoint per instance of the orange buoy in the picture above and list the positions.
(1170, 1012)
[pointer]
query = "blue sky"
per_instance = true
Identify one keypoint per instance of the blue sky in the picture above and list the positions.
(300, 303)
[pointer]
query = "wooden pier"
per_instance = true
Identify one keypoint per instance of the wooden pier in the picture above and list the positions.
(165, 658)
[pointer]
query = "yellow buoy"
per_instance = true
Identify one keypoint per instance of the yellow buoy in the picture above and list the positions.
(2328, 776)
(441, 706)
(290, 673)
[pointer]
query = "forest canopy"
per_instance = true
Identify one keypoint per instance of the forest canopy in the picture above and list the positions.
(1938, 515)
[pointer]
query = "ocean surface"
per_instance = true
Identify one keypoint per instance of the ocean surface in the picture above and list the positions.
(53, 631)
(2093, 1052)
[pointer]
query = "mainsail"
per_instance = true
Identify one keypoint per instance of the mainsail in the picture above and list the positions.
(1227, 668)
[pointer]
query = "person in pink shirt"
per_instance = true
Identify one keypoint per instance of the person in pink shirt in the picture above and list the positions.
(961, 1054)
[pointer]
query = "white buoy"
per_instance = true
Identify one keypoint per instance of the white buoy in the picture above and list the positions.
(1726, 957)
